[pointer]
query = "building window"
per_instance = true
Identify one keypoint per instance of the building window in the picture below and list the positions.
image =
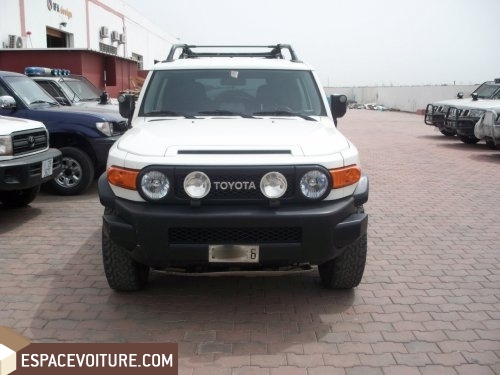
(139, 59)
(106, 48)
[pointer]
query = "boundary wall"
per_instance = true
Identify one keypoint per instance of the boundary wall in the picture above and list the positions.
(403, 98)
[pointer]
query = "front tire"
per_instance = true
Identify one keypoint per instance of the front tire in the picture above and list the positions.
(448, 133)
(19, 198)
(122, 272)
(77, 173)
(468, 140)
(345, 271)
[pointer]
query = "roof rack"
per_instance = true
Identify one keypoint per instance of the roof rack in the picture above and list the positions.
(274, 52)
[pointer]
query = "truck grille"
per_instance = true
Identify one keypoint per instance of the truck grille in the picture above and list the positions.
(29, 141)
(234, 235)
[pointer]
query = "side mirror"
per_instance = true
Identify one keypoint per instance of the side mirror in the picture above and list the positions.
(7, 102)
(104, 98)
(460, 95)
(338, 106)
(126, 105)
(474, 96)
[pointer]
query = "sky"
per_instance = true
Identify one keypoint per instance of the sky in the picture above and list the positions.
(351, 42)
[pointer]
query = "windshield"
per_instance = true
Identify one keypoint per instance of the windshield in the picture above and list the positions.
(82, 89)
(488, 90)
(29, 91)
(226, 92)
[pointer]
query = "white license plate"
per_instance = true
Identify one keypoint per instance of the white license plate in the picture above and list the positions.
(233, 253)
(47, 167)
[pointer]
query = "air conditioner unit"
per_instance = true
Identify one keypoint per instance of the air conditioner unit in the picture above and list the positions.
(103, 32)
(122, 38)
(17, 41)
(115, 36)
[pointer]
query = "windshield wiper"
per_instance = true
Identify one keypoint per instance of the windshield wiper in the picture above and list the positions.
(43, 102)
(284, 113)
(223, 112)
(169, 113)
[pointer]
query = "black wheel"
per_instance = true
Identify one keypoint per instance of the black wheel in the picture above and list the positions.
(448, 133)
(491, 144)
(468, 140)
(19, 198)
(77, 173)
(122, 272)
(345, 271)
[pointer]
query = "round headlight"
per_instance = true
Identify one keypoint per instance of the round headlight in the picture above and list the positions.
(273, 185)
(197, 185)
(154, 185)
(313, 184)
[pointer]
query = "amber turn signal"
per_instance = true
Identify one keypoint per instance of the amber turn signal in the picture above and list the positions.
(343, 177)
(122, 177)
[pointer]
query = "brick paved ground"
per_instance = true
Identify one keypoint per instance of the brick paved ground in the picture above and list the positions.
(429, 302)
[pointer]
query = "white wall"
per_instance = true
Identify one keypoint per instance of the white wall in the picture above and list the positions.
(143, 38)
(9, 24)
(404, 98)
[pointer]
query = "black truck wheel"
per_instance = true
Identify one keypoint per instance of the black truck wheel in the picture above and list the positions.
(448, 133)
(77, 173)
(122, 272)
(345, 271)
(468, 139)
(19, 198)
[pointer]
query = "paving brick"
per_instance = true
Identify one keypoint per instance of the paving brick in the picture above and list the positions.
(325, 370)
(438, 370)
(288, 370)
(400, 370)
(429, 299)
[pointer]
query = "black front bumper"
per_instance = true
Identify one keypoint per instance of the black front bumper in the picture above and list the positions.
(180, 235)
(26, 172)
(465, 126)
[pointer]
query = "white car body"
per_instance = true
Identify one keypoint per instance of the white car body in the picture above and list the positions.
(157, 139)
(233, 162)
(10, 125)
(488, 125)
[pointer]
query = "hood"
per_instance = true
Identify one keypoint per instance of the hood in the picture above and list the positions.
(469, 103)
(105, 113)
(171, 136)
(13, 124)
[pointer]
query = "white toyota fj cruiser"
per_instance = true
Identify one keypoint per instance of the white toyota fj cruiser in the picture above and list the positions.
(233, 162)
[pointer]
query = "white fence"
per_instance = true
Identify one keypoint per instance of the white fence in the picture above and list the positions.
(403, 98)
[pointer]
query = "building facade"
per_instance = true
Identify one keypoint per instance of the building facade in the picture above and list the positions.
(36, 31)
(109, 26)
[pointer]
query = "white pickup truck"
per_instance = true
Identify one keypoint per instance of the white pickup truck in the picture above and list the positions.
(26, 161)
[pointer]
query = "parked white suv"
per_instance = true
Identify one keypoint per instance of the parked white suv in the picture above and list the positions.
(459, 116)
(488, 127)
(233, 162)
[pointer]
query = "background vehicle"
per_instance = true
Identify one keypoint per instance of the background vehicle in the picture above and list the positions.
(463, 119)
(84, 135)
(233, 162)
(488, 127)
(69, 89)
(26, 161)
(444, 115)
